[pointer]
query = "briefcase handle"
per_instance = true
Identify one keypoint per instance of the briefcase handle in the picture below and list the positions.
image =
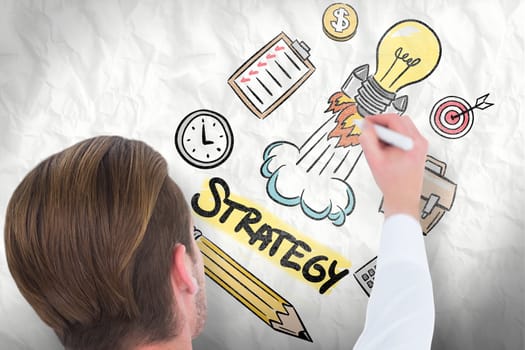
(436, 165)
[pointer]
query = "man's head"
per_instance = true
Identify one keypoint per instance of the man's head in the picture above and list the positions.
(99, 241)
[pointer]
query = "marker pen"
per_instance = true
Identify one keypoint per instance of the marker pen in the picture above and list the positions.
(389, 136)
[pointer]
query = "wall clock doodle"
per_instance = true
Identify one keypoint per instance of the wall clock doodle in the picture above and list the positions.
(204, 139)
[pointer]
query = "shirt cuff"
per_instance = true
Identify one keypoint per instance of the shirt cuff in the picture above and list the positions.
(402, 241)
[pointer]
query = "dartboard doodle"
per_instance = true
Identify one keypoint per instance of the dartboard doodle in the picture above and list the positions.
(452, 117)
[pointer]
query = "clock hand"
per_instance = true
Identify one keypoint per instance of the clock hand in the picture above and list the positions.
(204, 141)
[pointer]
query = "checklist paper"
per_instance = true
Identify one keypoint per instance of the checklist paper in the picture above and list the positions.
(270, 76)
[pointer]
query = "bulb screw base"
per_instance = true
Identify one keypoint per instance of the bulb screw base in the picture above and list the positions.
(370, 97)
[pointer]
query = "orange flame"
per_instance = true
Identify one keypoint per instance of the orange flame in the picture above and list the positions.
(346, 110)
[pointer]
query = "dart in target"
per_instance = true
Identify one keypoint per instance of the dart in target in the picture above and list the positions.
(452, 117)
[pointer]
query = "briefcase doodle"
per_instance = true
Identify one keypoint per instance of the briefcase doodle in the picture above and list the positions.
(437, 196)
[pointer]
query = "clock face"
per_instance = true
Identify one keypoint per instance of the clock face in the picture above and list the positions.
(204, 139)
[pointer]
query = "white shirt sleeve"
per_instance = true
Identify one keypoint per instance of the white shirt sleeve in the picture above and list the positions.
(400, 312)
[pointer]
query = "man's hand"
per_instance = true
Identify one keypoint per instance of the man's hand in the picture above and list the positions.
(398, 173)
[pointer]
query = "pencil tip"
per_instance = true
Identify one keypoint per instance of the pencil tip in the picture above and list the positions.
(305, 336)
(290, 323)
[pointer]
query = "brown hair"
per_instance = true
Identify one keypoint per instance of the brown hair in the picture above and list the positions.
(89, 235)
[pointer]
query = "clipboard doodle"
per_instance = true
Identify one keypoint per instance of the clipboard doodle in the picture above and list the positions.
(272, 74)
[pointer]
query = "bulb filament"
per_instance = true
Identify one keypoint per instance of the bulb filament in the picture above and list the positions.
(405, 57)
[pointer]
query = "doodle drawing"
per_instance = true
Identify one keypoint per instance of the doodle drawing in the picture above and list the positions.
(437, 195)
(303, 258)
(365, 276)
(204, 139)
(314, 175)
(340, 22)
(452, 117)
(251, 292)
(437, 198)
(272, 74)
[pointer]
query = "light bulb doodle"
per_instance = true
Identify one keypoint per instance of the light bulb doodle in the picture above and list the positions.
(407, 53)
(452, 117)
(314, 175)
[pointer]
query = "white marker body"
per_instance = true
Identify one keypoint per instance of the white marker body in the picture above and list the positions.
(389, 136)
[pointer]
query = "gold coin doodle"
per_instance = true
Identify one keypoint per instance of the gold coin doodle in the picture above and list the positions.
(340, 22)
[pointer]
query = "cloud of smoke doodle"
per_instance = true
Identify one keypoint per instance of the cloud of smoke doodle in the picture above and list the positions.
(318, 196)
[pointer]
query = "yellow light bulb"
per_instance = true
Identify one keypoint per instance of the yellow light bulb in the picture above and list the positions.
(407, 53)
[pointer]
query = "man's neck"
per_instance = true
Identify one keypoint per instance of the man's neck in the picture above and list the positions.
(180, 342)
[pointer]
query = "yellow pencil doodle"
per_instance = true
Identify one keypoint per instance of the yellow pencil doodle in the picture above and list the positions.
(254, 294)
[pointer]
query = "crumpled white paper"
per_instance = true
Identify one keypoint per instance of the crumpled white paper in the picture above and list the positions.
(73, 70)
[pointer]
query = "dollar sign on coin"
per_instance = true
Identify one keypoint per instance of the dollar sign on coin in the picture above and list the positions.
(340, 21)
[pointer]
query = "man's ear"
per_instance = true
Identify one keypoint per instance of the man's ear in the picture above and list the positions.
(181, 267)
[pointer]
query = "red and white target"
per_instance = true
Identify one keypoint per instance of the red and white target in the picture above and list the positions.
(452, 117)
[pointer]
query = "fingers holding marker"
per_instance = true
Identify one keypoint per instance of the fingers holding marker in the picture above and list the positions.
(391, 137)
(393, 122)
(399, 131)
(372, 146)
(398, 171)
